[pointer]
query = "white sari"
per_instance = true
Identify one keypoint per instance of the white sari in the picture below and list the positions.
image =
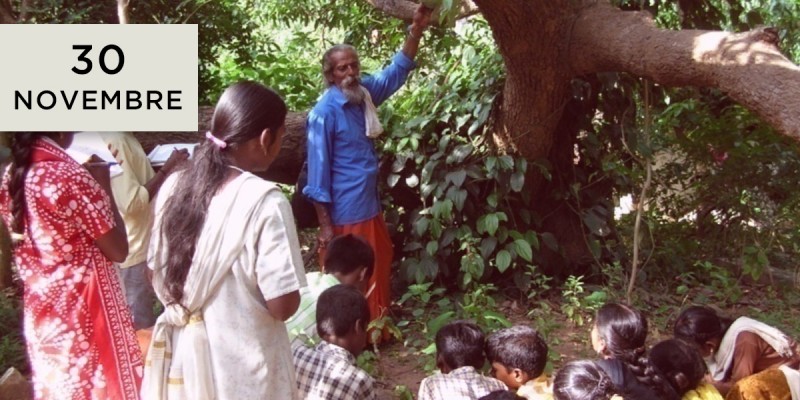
(247, 253)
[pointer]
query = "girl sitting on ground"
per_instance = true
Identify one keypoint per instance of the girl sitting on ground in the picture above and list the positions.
(583, 380)
(683, 368)
(737, 349)
(619, 335)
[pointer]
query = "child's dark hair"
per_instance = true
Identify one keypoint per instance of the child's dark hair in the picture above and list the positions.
(501, 395)
(348, 252)
(679, 363)
(339, 308)
(624, 330)
(698, 324)
(460, 344)
(519, 347)
(582, 380)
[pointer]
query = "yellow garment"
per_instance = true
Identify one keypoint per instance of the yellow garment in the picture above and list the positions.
(765, 385)
(705, 391)
(131, 196)
(537, 389)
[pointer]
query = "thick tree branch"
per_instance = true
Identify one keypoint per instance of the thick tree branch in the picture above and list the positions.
(404, 9)
(747, 66)
(284, 169)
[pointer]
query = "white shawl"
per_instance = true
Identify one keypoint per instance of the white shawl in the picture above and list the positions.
(723, 359)
(371, 122)
(181, 368)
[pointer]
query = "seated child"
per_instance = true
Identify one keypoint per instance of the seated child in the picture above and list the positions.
(502, 395)
(349, 260)
(584, 380)
(518, 356)
(459, 356)
(619, 335)
(683, 368)
(738, 349)
(328, 371)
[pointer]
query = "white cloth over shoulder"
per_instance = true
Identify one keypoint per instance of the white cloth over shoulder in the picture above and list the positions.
(724, 356)
(793, 379)
(247, 253)
(371, 122)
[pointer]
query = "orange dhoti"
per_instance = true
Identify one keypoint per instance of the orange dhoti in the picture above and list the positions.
(373, 231)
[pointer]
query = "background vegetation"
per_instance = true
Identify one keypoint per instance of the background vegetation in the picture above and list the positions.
(720, 216)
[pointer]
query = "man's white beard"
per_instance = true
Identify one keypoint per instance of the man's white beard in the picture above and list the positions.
(354, 93)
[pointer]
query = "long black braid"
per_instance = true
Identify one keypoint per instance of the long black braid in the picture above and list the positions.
(21, 145)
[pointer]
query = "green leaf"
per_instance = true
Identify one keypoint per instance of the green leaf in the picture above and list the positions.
(488, 224)
(503, 260)
(523, 249)
(487, 246)
(392, 180)
(458, 196)
(491, 200)
(517, 181)
(432, 248)
(506, 162)
(456, 177)
(443, 209)
(459, 154)
(437, 323)
(421, 226)
(550, 241)
(491, 163)
(496, 316)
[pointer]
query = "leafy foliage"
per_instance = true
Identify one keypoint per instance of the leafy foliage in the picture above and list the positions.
(12, 344)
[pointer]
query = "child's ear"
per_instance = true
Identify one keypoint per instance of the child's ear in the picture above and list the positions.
(362, 274)
(360, 326)
(518, 375)
(441, 364)
(681, 380)
(709, 348)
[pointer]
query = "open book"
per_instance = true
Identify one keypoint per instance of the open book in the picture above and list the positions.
(84, 144)
(161, 153)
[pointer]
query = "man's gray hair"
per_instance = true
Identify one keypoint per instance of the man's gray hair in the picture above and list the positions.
(327, 65)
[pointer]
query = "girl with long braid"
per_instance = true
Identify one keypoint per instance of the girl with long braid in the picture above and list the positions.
(619, 335)
(67, 233)
(226, 263)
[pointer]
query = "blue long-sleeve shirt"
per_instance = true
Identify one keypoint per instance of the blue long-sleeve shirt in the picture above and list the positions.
(342, 162)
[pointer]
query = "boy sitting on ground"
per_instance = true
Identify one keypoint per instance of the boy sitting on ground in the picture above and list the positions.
(328, 371)
(459, 356)
(349, 260)
(518, 356)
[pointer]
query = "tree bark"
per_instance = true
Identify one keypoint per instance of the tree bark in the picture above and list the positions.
(7, 13)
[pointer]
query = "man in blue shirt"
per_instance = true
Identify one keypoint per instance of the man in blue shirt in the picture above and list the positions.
(342, 162)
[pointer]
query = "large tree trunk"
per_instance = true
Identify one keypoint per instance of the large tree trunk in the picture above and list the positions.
(545, 44)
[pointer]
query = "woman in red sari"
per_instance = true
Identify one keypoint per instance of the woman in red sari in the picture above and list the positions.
(67, 232)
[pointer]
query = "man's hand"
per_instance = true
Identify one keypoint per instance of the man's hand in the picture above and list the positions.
(422, 17)
(175, 160)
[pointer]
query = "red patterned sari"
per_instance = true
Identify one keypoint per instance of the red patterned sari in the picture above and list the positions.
(81, 341)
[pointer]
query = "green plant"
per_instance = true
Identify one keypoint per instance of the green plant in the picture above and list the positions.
(368, 361)
(12, 344)
(402, 392)
(575, 305)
